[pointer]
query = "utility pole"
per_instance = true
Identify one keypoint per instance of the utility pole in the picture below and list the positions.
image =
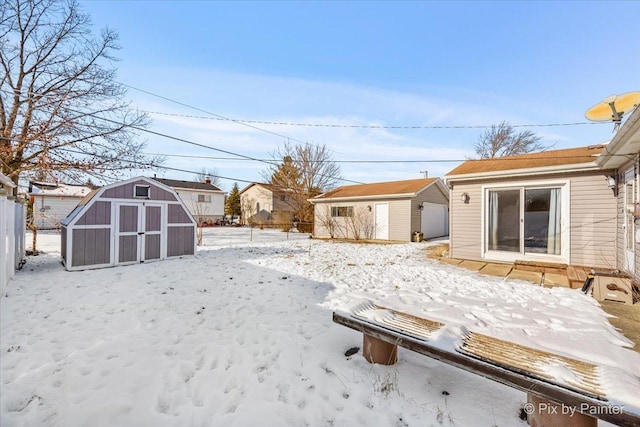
(426, 173)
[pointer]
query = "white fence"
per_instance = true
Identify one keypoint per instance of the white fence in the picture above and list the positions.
(12, 230)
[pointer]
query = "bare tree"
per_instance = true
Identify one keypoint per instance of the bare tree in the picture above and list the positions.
(306, 171)
(361, 224)
(209, 174)
(61, 110)
(325, 220)
(502, 140)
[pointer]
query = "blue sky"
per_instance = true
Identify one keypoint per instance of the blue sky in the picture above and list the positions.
(368, 63)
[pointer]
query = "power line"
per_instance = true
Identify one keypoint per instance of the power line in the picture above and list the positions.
(146, 166)
(216, 116)
(197, 144)
(351, 126)
(385, 161)
(322, 161)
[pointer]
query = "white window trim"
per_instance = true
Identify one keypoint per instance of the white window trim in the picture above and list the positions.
(564, 257)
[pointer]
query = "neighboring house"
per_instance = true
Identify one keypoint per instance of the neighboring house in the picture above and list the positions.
(204, 200)
(383, 211)
(261, 203)
(138, 220)
(52, 202)
(622, 155)
(554, 206)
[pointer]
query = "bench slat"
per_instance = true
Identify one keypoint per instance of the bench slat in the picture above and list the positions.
(533, 362)
(571, 396)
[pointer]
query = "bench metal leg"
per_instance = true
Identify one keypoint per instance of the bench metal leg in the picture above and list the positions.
(378, 351)
(544, 413)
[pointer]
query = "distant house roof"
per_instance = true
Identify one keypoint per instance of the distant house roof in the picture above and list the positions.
(270, 187)
(549, 161)
(407, 188)
(190, 185)
(58, 190)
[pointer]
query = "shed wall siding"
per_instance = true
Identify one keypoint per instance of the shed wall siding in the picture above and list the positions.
(90, 246)
(180, 240)
(125, 191)
(98, 214)
(63, 243)
(177, 215)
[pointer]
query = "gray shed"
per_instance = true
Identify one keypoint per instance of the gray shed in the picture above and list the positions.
(137, 220)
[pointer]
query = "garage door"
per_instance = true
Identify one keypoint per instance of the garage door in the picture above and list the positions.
(435, 220)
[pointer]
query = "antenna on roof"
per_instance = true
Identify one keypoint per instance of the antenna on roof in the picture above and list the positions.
(613, 107)
(426, 173)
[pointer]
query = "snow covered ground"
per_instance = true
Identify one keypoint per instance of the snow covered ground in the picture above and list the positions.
(241, 335)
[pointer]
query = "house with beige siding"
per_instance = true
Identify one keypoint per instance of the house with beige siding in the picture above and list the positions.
(383, 211)
(261, 203)
(622, 158)
(556, 206)
(52, 202)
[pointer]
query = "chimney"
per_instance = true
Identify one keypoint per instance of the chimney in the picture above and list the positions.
(207, 180)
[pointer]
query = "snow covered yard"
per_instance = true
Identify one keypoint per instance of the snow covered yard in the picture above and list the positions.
(242, 335)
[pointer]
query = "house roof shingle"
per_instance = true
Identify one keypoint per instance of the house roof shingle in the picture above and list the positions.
(270, 187)
(410, 186)
(568, 156)
(191, 185)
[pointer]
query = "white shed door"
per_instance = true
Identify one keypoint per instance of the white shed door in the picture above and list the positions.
(382, 221)
(434, 221)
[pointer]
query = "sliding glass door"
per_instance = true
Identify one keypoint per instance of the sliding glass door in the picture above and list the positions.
(504, 220)
(524, 220)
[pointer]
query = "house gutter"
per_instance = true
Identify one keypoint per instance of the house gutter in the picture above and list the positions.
(611, 153)
(357, 198)
(580, 167)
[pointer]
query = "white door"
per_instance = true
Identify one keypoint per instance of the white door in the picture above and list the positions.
(629, 227)
(128, 236)
(382, 221)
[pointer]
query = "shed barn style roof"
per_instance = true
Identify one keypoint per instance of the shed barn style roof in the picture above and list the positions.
(546, 159)
(191, 185)
(408, 187)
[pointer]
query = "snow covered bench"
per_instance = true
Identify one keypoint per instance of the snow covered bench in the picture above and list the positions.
(551, 402)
